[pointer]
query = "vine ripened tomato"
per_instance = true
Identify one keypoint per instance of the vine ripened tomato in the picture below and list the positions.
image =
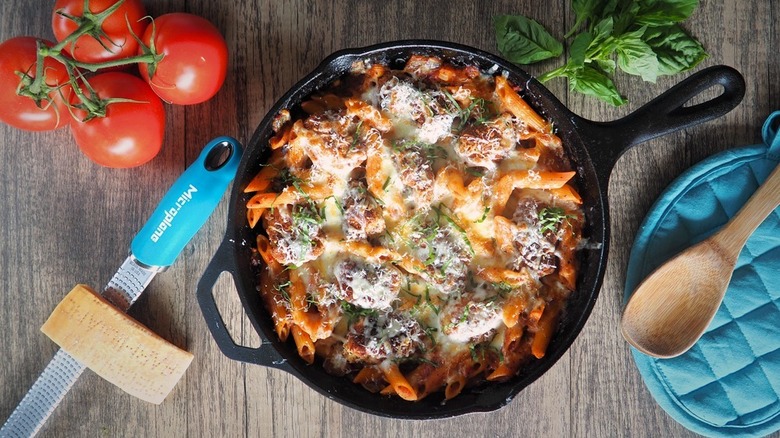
(195, 57)
(131, 133)
(19, 55)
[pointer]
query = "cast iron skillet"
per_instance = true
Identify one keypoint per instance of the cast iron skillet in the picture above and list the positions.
(593, 147)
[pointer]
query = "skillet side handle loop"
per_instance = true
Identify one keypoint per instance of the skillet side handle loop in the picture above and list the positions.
(665, 114)
(265, 354)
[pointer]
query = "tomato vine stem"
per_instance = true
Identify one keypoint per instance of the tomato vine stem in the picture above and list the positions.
(88, 24)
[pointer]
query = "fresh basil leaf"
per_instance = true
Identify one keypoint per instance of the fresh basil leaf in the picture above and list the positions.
(636, 57)
(625, 17)
(675, 50)
(584, 10)
(522, 40)
(654, 13)
(603, 44)
(603, 29)
(609, 8)
(608, 65)
(579, 48)
(588, 80)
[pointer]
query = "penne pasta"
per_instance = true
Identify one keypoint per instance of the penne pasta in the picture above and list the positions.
(417, 229)
(567, 193)
(269, 171)
(253, 216)
(543, 335)
(517, 106)
(529, 179)
(276, 302)
(304, 344)
(398, 382)
(289, 195)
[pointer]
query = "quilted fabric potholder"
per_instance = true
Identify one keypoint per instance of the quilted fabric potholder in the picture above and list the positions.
(728, 384)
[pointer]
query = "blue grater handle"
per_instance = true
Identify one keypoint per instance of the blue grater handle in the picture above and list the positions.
(187, 204)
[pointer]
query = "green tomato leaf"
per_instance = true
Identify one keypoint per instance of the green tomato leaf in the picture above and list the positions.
(579, 48)
(675, 50)
(654, 13)
(636, 57)
(587, 80)
(522, 40)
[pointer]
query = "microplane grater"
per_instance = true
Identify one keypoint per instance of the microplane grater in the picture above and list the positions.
(180, 214)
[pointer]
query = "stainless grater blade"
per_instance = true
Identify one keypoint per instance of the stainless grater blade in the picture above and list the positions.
(61, 373)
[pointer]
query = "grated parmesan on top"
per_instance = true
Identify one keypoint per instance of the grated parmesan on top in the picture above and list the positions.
(365, 284)
(403, 168)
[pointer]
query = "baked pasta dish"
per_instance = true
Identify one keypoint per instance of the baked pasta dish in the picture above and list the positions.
(417, 229)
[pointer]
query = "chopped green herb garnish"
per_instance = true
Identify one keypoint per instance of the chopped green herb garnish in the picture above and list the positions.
(444, 267)
(386, 184)
(336, 201)
(483, 349)
(503, 287)
(428, 301)
(551, 217)
(431, 151)
(356, 135)
(408, 290)
(306, 217)
(455, 225)
(430, 331)
(476, 112)
(484, 215)
(354, 312)
(475, 171)
(283, 289)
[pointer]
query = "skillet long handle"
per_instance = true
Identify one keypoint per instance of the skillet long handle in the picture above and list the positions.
(663, 115)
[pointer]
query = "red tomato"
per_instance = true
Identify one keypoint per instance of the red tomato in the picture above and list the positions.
(195, 58)
(117, 36)
(131, 133)
(19, 55)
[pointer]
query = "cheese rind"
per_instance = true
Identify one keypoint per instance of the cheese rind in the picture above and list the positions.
(115, 346)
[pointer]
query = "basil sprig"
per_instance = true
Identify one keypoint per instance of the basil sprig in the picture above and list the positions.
(639, 37)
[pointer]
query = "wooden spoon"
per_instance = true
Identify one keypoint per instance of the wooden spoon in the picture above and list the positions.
(672, 307)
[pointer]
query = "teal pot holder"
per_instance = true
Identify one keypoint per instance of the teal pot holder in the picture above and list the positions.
(728, 383)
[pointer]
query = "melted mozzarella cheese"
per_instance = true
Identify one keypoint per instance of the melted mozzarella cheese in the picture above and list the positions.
(424, 299)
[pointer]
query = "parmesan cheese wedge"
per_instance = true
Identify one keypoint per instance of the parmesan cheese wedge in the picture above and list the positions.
(115, 346)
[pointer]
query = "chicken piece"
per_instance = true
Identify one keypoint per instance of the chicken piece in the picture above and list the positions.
(403, 100)
(334, 141)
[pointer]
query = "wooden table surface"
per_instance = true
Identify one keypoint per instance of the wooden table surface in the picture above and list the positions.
(65, 220)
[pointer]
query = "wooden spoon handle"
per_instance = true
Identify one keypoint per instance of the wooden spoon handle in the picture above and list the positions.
(734, 235)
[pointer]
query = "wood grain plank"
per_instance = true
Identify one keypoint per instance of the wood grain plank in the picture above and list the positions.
(65, 220)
